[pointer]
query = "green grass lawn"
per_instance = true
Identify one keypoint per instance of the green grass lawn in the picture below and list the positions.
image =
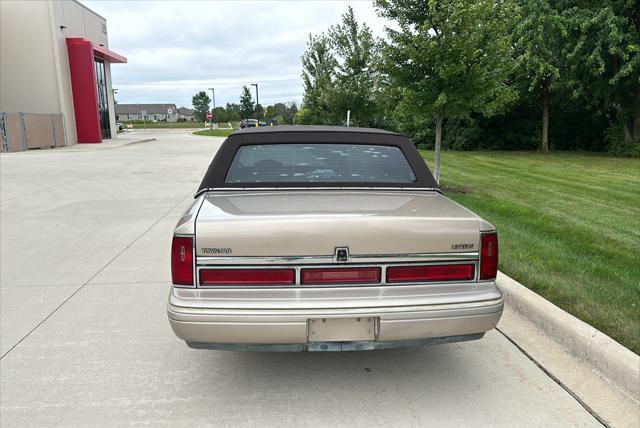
(569, 227)
(215, 132)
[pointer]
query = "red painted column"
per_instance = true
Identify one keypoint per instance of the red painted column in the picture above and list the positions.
(85, 92)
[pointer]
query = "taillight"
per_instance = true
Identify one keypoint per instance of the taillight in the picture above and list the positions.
(247, 277)
(430, 273)
(323, 276)
(182, 260)
(489, 255)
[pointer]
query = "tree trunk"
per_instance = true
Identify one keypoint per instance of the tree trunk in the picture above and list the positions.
(631, 126)
(627, 132)
(545, 120)
(439, 120)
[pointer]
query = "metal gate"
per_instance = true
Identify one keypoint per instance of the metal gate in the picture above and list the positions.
(24, 131)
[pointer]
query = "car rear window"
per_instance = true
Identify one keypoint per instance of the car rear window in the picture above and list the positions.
(320, 163)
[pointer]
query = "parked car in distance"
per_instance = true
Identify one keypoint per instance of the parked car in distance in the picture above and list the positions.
(251, 123)
(328, 239)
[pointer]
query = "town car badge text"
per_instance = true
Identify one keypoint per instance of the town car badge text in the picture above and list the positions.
(222, 250)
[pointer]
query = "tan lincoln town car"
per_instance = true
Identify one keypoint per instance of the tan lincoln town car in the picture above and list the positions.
(328, 239)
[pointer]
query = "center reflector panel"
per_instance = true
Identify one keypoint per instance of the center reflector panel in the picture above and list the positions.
(355, 275)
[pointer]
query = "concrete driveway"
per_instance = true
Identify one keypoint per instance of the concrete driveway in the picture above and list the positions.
(85, 341)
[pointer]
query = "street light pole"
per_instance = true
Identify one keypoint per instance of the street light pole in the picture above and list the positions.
(257, 99)
(213, 97)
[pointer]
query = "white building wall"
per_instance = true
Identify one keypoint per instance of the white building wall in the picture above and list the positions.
(28, 76)
(95, 27)
(34, 65)
(64, 77)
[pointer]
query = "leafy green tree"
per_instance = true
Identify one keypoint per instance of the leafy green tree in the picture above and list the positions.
(355, 84)
(259, 112)
(233, 112)
(247, 107)
(539, 39)
(279, 109)
(290, 112)
(604, 56)
(450, 58)
(276, 113)
(269, 113)
(200, 103)
(318, 64)
(340, 73)
(220, 114)
(281, 113)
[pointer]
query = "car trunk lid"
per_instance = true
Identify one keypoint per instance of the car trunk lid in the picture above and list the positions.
(298, 223)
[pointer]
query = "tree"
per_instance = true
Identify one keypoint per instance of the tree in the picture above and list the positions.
(539, 40)
(233, 112)
(200, 103)
(355, 85)
(450, 58)
(340, 73)
(246, 104)
(355, 76)
(279, 109)
(276, 113)
(269, 113)
(604, 57)
(290, 112)
(220, 114)
(318, 65)
(259, 112)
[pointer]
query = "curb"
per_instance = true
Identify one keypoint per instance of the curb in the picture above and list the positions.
(75, 148)
(138, 142)
(613, 361)
(112, 145)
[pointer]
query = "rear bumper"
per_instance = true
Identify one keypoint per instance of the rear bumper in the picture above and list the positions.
(288, 329)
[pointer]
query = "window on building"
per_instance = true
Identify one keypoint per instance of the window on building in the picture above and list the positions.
(103, 103)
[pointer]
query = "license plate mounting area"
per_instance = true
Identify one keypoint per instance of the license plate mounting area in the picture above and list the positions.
(341, 329)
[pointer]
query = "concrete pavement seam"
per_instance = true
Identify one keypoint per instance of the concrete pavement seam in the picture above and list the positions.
(554, 378)
(614, 362)
(94, 275)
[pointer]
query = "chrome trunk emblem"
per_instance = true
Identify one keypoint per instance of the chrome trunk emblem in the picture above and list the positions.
(341, 255)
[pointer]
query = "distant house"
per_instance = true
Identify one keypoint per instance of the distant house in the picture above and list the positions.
(185, 114)
(152, 112)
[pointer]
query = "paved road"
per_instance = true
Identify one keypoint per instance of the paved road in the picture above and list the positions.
(85, 342)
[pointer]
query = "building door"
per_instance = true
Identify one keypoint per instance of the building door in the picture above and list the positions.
(103, 100)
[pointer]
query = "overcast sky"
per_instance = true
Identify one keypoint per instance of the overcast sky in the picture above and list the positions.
(176, 48)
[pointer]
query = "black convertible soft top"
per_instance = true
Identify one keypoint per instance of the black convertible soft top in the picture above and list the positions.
(219, 167)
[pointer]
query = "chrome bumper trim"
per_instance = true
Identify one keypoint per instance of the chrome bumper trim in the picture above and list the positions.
(329, 259)
(175, 312)
(367, 345)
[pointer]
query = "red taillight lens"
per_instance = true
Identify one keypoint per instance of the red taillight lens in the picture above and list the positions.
(247, 277)
(489, 256)
(430, 273)
(321, 276)
(182, 261)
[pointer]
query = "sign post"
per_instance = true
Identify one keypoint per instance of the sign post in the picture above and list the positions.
(210, 118)
(143, 113)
